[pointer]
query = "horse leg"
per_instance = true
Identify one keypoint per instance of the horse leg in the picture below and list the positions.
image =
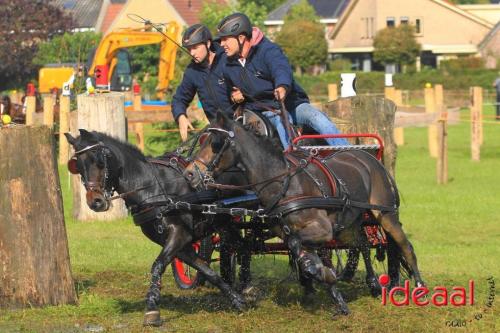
(177, 238)
(311, 266)
(391, 225)
(371, 276)
(393, 262)
(189, 256)
(351, 265)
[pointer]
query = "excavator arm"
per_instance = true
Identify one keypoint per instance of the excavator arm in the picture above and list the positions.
(105, 54)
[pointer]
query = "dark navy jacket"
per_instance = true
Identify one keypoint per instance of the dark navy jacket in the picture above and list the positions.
(208, 83)
(266, 68)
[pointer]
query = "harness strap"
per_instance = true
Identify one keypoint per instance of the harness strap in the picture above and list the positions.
(301, 203)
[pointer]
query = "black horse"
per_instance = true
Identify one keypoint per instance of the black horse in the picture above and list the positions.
(107, 165)
(284, 180)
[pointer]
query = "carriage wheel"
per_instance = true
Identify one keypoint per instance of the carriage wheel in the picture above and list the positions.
(186, 277)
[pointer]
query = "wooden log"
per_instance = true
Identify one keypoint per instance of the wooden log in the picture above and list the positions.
(48, 110)
(34, 259)
(64, 108)
(138, 127)
(149, 116)
(475, 114)
(332, 92)
(430, 107)
(442, 160)
(102, 113)
(367, 114)
(30, 110)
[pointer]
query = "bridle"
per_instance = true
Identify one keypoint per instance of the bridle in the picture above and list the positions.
(210, 166)
(105, 186)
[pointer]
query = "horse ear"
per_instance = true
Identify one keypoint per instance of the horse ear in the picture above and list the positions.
(223, 120)
(87, 136)
(220, 119)
(71, 140)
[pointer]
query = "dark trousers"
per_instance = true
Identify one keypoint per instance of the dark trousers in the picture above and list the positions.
(498, 106)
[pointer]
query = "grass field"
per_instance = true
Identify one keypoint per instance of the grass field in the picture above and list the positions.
(455, 229)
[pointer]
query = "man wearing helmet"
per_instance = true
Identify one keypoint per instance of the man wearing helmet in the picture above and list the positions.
(203, 76)
(260, 75)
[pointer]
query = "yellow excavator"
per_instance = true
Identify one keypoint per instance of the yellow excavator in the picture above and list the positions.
(110, 65)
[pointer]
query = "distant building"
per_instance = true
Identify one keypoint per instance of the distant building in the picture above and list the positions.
(444, 30)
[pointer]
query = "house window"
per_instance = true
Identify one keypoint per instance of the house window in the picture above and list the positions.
(367, 23)
(391, 21)
(404, 20)
(419, 29)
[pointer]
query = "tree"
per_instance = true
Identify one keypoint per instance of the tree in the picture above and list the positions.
(302, 38)
(396, 45)
(23, 25)
(67, 48)
(269, 5)
(302, 11)
(212, 12)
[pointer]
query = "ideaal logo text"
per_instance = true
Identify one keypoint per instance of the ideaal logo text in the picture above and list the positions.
(423, 296)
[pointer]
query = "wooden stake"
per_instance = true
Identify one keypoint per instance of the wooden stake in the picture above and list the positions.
(48, 110)
(442, 160)
(30, 110)
(139, 127)
(475, 121)
(332, 92)
(430, 107)
(64, 108)
(399, 134)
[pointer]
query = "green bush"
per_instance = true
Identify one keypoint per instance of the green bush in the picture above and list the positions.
(462, 64)
(374, 81)
(339, 65)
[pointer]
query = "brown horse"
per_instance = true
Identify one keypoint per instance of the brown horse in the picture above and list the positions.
(280, 183)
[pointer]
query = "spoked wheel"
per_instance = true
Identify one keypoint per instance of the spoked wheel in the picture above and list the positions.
(189, 278)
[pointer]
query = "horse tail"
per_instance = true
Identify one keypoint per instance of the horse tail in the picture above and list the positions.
(394, 187)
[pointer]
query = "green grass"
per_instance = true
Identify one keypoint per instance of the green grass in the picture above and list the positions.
(454, 228)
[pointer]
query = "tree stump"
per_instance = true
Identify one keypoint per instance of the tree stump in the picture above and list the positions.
(367, 114)
(102, 113)
(34, 259)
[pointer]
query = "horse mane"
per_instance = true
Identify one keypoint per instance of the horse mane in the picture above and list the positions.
(122, 145)
(273, 143)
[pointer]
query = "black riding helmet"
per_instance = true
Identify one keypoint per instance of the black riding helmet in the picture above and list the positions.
(196, 34)
(234, 25)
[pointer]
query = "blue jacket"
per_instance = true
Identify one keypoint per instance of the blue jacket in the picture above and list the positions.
(208, 82)
(266, 68)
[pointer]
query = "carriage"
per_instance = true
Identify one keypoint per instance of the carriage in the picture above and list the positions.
(254, 229)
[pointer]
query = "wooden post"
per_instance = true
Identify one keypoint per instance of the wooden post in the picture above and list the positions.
(48, 110)
(64, 108)
(430, 107)
(139, 127)
(34, 259)
(332, 92)
(475, 120)
(442, 160)
(399, 134)
(103, 113)
(30, 110)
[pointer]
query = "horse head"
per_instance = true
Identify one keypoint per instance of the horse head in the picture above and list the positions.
(97, 166)
(217, 152)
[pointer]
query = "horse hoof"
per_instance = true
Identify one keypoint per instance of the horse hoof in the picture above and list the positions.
(250, 294)
(239, 303)
(375, 288)
(152, 318)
